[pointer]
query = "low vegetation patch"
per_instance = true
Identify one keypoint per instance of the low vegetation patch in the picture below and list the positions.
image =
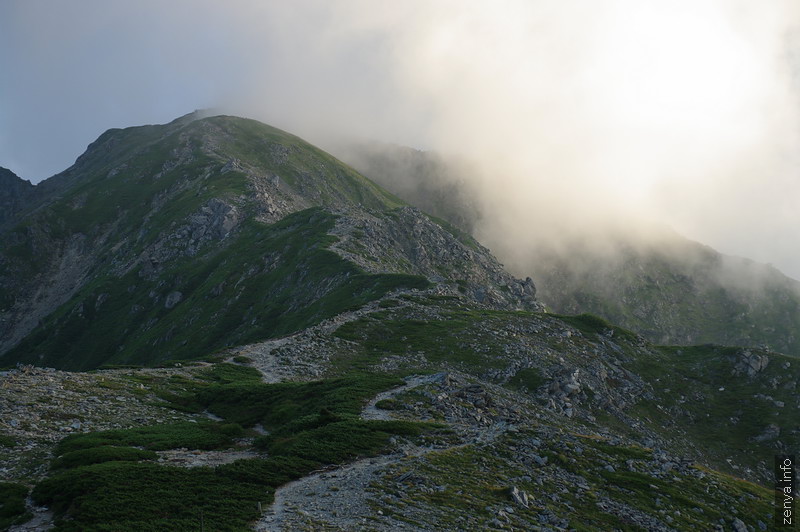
(98, 455)
(100, 480)
(589, 324)
(231, 374)
(7, 441)
(156, 437)
(528, 379)
(449, 339)
(12, 505)
(275, 405)
(146, 496)
(339, 441)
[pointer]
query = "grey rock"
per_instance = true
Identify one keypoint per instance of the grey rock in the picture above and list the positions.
(771, 432)
(539, 460)
(172, 299)
(738, 525)
(519, 497)
(750, 363)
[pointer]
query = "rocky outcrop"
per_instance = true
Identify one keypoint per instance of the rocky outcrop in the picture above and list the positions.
(749, 363)
(65, 270)
(406, 240)
(210, 224)
(563, 391)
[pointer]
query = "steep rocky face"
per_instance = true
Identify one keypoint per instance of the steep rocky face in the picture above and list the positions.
(15, 195)
(671, 290)
(405, 240)
(170, 241)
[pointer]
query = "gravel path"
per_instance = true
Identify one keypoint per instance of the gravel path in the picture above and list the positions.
(197, 458)
(265, 359)
(330, 500)
(337, 499)
(373, 412)
(42, 519)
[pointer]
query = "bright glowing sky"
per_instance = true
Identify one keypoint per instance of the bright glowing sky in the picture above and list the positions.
(685, 112)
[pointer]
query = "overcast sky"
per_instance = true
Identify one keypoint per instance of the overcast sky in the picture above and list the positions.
(685, 112)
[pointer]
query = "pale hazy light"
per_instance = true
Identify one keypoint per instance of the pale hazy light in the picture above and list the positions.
(659, 66)
(673, 81)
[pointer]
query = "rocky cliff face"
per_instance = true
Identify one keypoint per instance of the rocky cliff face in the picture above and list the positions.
(405, 240)
(203, 221)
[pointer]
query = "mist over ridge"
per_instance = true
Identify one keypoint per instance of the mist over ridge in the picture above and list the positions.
(571, 115)
(649, 279)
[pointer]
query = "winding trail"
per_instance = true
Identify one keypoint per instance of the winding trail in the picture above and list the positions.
(340, 498)
(42, 519)
(266, 361)
(339, 495)
(372, 412)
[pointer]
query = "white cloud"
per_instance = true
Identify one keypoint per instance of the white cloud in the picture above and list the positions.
(682, 111)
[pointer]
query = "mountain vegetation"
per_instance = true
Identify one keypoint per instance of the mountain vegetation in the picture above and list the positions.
(162, 242)
(211, 324)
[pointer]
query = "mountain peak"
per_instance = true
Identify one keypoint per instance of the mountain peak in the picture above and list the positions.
(217, 221)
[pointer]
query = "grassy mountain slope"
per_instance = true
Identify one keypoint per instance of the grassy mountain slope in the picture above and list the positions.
(269, 280)
(713, 403)
(439, 397)
(169, 241)
(504, 419)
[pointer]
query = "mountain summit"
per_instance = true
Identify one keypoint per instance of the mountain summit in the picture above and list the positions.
(172, 241)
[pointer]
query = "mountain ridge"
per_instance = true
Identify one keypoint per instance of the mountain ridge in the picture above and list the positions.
(143, 203)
